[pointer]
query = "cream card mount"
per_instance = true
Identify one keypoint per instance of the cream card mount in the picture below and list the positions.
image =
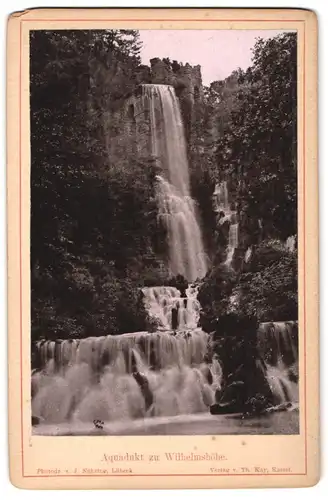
(162, 248)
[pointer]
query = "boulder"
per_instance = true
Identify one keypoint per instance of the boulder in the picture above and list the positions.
(143, 383)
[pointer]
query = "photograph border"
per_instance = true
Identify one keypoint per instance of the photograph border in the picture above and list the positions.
(306, 203)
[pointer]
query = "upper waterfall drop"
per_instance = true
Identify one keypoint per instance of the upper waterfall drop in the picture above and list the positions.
(176, 207)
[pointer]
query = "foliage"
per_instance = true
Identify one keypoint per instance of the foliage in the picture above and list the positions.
(268, 289)
(251, 118)
(214, 295)
(245, 132)
(265, 288)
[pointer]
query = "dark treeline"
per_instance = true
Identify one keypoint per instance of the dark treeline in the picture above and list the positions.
(94, 227)
(95, 235)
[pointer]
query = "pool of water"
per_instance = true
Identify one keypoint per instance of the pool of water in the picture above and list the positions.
(286, 422)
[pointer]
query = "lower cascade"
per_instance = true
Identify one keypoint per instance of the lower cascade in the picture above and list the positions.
(169, 372)
(177, 209)
(124, 377)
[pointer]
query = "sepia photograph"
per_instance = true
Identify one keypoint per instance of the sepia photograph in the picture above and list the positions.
(164, 232)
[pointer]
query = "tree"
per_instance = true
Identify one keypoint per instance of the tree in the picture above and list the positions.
(260, 145)
(268, 287)
(93, 211)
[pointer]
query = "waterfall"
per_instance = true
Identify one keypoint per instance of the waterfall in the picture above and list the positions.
(176, 207)
(223, 209)
(248, 254)
(290, 243)
(133, 375)
(278, 344)
(162, 301)
(124, 377)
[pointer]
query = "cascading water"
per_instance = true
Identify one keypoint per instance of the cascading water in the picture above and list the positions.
(128, 376)
(223, 209)
(162, 301)
(278, 345)
(176, 207)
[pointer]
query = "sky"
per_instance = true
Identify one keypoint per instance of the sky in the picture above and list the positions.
(218, 52)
